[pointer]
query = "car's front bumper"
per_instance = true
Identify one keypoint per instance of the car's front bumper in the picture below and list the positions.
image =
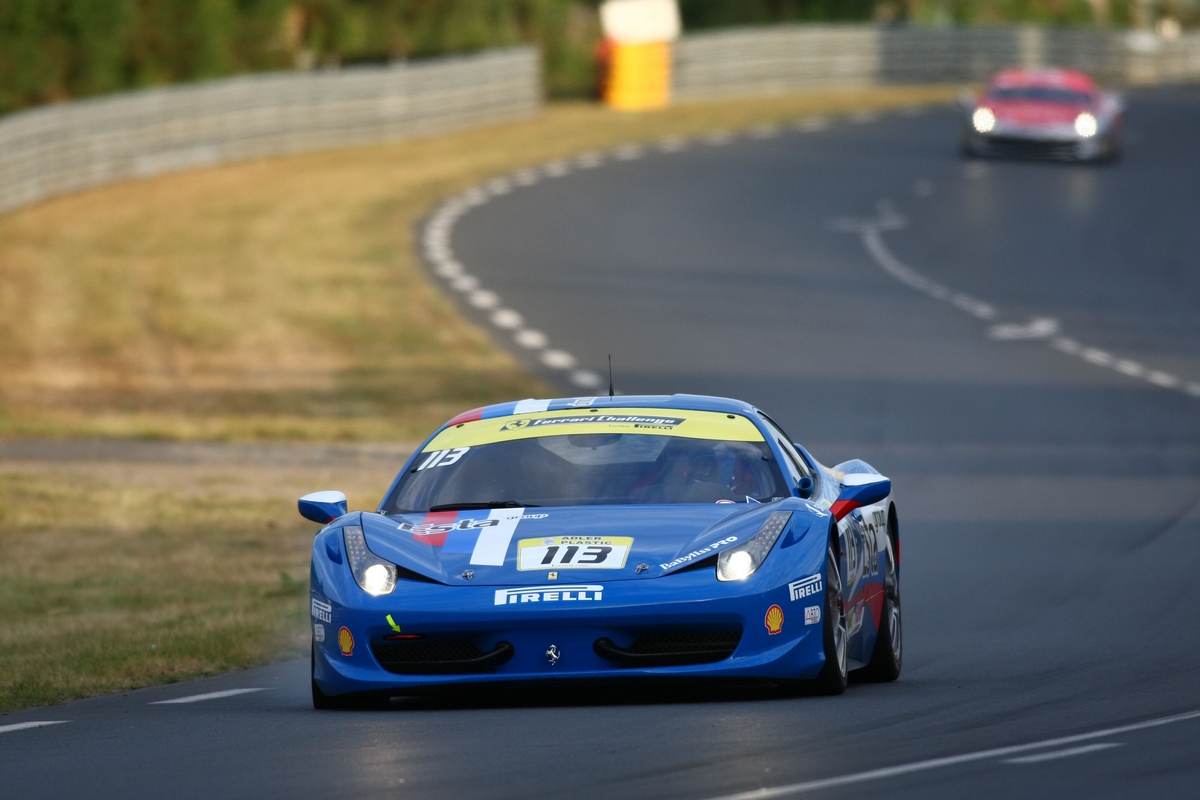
(1060, 142)
(554, 638)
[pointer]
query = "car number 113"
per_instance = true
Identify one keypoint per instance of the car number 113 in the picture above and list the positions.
(573, 552)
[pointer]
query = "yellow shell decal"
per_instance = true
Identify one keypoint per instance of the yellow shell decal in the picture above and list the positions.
(346, 641)
(773, 620)
(652, 421)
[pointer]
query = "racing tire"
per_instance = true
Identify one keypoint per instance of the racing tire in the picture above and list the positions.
(833, 677)
(886, 660)
(325, 702)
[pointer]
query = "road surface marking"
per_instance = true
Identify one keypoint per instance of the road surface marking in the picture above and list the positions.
(1043, 328)
(196, 698)
(20, 726)
(1070, 751)
(950, 761)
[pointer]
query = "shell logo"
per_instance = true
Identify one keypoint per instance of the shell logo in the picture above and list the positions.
(773, 620)
(346, 639)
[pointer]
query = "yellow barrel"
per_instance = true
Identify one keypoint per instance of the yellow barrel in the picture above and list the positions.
(639, 76)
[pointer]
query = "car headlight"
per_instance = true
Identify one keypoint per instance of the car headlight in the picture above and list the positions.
(1086, 125)
(371, 572)
(983, 119)
(739, 563)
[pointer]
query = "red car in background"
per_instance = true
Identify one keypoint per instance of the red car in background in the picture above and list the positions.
(1053, 113)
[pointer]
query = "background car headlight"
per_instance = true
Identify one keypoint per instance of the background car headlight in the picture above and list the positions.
(740, 562)
(1086, 125)
(983, 119)
(371, 572)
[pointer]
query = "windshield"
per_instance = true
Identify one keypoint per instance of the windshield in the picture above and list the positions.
(553, 467)
(1040, 94)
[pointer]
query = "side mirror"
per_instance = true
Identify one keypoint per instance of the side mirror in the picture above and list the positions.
(323, 507)
(860, 490)
(805, 487)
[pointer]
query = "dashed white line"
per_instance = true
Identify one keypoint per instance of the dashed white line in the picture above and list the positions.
(23, 726)
(950, 761)
(1057, 754)
(439, 254)
(197, 698)
(1045, 328)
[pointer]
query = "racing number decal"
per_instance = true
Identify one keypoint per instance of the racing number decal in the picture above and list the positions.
(443, 458)
(573, 552)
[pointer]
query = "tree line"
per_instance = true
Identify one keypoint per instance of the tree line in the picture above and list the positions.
(54, 50)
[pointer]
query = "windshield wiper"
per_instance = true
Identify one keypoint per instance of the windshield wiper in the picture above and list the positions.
(475, 506)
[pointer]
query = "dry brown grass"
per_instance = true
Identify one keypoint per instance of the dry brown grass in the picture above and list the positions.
(114, 576)
(281, 298)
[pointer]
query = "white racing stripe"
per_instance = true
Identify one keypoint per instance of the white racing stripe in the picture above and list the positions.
(1044, 328)
(1057, 754)
(950, 761)
(196, 698)
(22, 726)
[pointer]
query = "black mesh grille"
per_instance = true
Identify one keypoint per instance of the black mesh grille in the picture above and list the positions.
(673, 643)
(438, 656)
(674, 648)
(1028, 148)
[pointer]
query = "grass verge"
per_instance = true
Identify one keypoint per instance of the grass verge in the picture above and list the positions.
(115, 576)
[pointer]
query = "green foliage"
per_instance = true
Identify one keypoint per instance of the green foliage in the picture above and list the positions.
(698, 14)
(58, 49)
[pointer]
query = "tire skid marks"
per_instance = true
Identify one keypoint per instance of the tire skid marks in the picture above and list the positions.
(871, 232)
(437, 233)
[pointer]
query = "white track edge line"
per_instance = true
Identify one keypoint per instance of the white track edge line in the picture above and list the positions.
(196, 698)
(23, 726)
(437, 231)
(950, 761)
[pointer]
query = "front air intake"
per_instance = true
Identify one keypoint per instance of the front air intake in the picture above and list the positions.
(439, 656)
(671, 648)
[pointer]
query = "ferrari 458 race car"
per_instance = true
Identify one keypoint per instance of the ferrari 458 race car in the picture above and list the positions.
(1057, 114)
(607, 539)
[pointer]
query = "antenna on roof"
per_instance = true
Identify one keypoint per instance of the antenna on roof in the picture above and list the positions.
(610, 388)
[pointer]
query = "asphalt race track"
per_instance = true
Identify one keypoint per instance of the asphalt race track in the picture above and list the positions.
(1017, 345)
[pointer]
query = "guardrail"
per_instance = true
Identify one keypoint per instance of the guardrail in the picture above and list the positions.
(61, 148)
(785, 58)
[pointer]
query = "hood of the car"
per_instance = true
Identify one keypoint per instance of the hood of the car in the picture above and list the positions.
(1036, 114)
(579, 543)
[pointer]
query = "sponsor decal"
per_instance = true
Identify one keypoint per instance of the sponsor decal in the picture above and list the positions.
(550, 594)
(773, 620)
(573, 552)
(392, 624)
(438, 528)
(318, 632)
(806, 587)
(812, 615)
(322, 610)
(487, 539)
(551, 576)
(443, 458)
(346, 641)
(581, 402)
(632, 420)
(857, 615)
(703, 551)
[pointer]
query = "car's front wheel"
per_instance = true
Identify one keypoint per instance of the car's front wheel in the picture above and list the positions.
(322, 701)
(832, 679)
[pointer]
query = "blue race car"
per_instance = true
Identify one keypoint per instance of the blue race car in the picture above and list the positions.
(612, 539)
